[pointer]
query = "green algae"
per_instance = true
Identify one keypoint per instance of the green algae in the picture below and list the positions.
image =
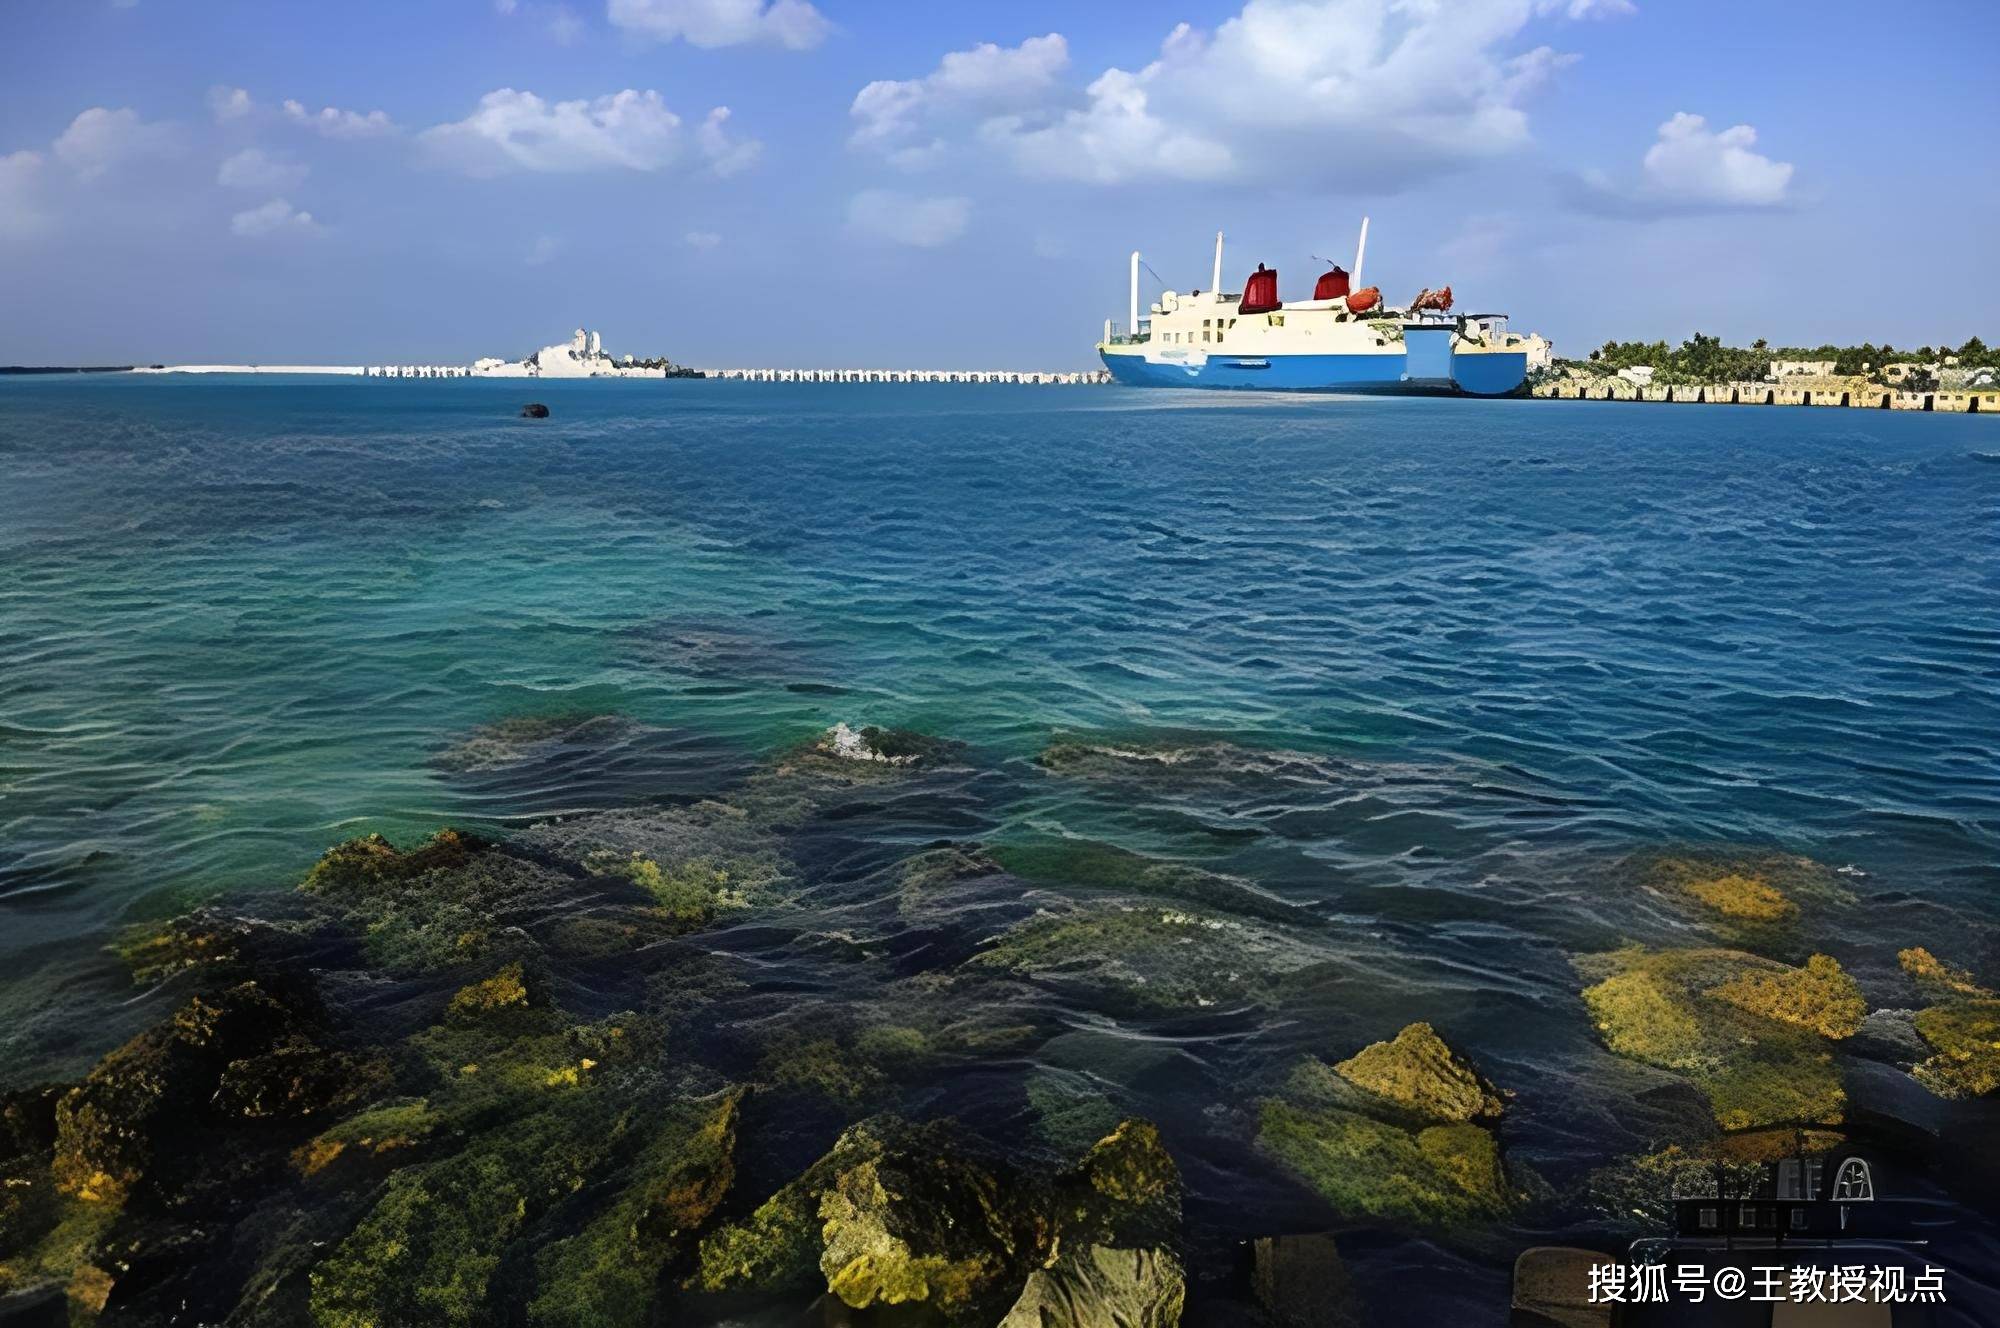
(608, 1275)
(1965, 1036)
(1746, 894)
(691, 892)
(507, 987)
(1750, 1033)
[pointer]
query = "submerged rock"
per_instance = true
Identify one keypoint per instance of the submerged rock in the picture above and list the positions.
(1751, 1033)
(1152, 957)
(881, 746)
(1744, 893)
(534, 410)
(1965, 1036)
(511, 741)
(1935, 977)
(1302, 1282)
(1087, 864)
(1102, 1286)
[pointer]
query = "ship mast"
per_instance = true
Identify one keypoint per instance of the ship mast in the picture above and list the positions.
(1360, 251)
(1133, 329)
(1215, 284)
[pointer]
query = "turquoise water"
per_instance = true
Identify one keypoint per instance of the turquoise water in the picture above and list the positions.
(1466, 655)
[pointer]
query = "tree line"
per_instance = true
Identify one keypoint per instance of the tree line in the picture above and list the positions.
(1704, 359)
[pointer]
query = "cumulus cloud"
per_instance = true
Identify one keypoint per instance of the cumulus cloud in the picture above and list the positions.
(885, 214)
(726, 153)
(1371, 93)
(100, 139)
(891, 115)
(1692, 168)
(21, 213)
(627, 130)
(261, 172)
(276, 217)
(227, 103)
(702, 239)
(333, 122)
(790, 23)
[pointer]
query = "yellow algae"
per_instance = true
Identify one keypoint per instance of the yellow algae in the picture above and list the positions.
(1819, 996)
(1934, 974)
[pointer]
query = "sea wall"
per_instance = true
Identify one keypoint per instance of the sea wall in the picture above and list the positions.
(1869, 397)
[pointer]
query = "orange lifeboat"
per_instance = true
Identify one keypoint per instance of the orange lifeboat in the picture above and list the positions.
(1439, 300)
(1364, 299)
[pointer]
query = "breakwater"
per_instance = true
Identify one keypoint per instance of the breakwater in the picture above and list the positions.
(1774, 394)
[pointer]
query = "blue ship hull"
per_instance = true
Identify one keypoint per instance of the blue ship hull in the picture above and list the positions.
(1486, 375)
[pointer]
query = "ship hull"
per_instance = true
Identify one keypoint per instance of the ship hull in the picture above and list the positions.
(1486, 374)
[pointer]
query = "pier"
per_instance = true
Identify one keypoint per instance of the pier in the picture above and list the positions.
(1773, 394)
(1087, 376)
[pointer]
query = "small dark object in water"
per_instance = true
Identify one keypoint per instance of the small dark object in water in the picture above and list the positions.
(534, 410)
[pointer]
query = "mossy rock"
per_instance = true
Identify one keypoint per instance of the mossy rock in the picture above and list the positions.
(429, 1249)
(1438, 1177)
(1749, 1032)
(691, 892)
(1092, 1286)
(205, 939)
(371, 864)
(1935, 977)
(385, 1129)
(1744, 893)
(133, 1113)
(61, 1239)
(608, 1275)
(1818, 996)
(1417, 1072)
(1966, 1037)
(508, 987)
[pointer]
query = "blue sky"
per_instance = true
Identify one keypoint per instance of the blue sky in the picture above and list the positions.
(855, 182)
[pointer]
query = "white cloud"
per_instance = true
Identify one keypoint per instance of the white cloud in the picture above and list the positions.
(333, 122)
(504, 6)
(261, 172)
(1692, 168)
(1370, 93)
(564, 26)
(884, 214)
(276, 217)
(227, 103)
(727, 155)
(545, 248)
(1692, 162)
(890, 113)
(21, 213)
(702, 239)
(100, 139)
(789, 23)
(1582, 9)
(627, 130)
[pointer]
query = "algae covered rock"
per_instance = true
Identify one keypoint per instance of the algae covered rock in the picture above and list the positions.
(1965, 1036)
(1302, 1282)
(1419, 1073)
(1751, 1033)
(1743, 892)
(1390, 1135)
(608, 1275)
(1936, 977)
(135, 1111)
(506, 988)
(1818, 996)
(1089, 865)
(922, 1217)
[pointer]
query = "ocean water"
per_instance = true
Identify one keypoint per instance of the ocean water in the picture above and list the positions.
(1424, 672)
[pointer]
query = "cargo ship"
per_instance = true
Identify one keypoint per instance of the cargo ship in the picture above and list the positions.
(1344, 339)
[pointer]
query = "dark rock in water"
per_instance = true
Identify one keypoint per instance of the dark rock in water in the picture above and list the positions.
(1301, 1281)
(136, 1110)
(534, 410)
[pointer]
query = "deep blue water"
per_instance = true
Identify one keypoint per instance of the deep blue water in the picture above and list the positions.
(1511, 642)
